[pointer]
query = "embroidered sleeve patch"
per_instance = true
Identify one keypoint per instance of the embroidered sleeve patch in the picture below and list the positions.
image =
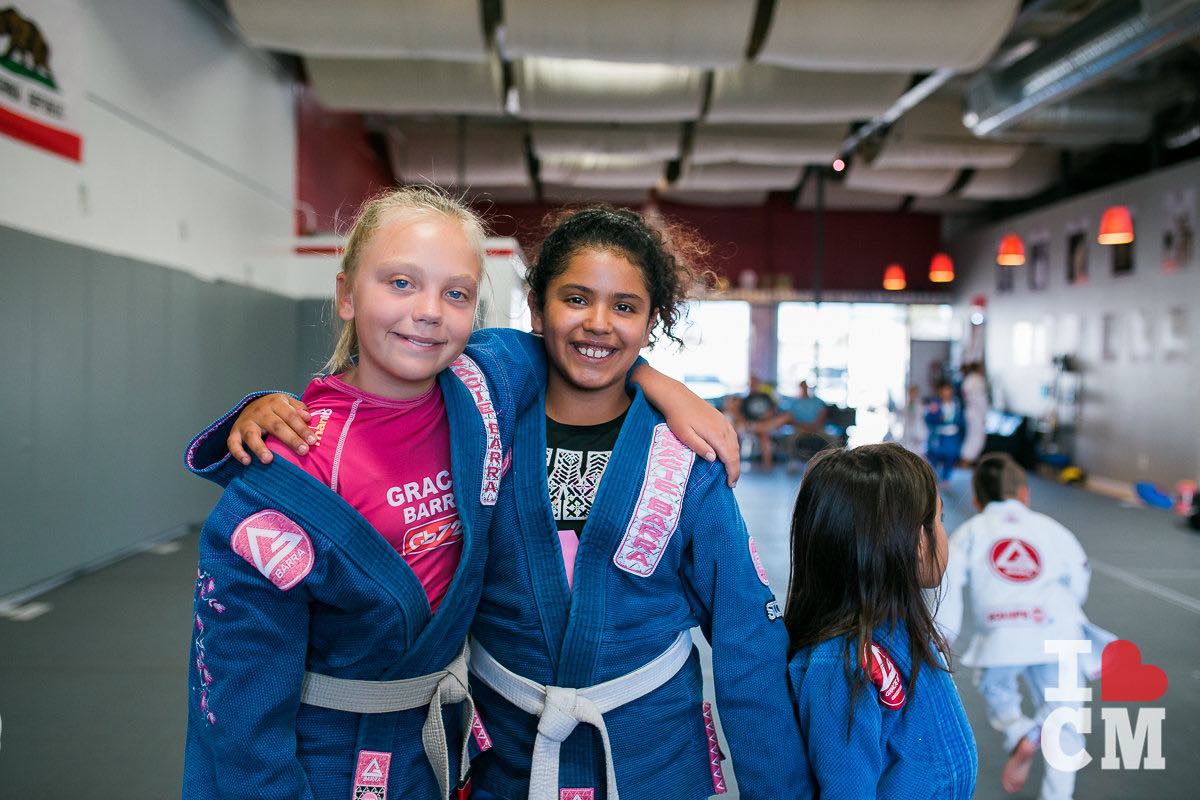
(471, 375)
(886, 678)
(656, 515)
(758, 565)
(276, 546)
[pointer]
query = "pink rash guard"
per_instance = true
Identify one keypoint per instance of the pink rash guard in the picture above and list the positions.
(390, 459)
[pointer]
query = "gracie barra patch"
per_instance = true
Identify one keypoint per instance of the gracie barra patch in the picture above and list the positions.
(482, 740)
(758, 565)
(576, 794)
(471, 375)
(1015, 560)
(656, 514)
(371, 775)
(276, 546)
(886, 678)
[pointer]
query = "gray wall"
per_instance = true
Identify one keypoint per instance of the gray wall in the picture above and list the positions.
(1140, 417)
(113, 364)
(315, 323)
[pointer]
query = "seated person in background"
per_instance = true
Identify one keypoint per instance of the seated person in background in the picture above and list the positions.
(808, 411)
(755, 415)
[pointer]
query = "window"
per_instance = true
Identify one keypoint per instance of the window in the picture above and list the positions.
(715, 359)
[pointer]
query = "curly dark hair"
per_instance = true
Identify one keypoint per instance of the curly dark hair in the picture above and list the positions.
(668, 254)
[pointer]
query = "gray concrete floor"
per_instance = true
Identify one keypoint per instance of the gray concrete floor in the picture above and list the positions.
(92, 692)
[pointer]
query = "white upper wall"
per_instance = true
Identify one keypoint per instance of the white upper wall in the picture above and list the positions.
(189, 148)
(1139, 417)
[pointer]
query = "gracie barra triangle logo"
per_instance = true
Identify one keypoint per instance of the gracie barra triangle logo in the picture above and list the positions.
(1016, 560)
(576, 794)
(281, 544)
(276, 546)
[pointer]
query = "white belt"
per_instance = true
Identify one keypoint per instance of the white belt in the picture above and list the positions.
(446, 686)
(560, 710)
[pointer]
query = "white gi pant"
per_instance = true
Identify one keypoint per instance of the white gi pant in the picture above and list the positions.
(998, 685)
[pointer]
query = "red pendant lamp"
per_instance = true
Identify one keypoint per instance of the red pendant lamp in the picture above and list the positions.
(1012, 251)
(941, 269)
(893, 278)
(1116, 226)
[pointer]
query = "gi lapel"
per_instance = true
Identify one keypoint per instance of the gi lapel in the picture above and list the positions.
(538, 532)
(601, 535)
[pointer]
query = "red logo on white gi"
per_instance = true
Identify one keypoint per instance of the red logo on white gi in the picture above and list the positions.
(471, 375)
(656, 515)
(758, 565)
(576, 794)
(886, 678)
(276, 546)
(1016, 560)
(371, 774)
(432, 535)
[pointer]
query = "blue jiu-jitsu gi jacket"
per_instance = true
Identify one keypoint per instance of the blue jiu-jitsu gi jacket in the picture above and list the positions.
(904, 743)
(324, 592)
(664, 549)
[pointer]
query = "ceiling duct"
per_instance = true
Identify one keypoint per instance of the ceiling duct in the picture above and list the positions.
(1035, 172)
(448, 29)
(459, 153)
(595, 91)
(791, 144)
(886, 35)
(759, 93)
(735, 177)
(647, 142)
(407, 87)
(920, 182)
(602, 173)
(932, 135)
(1112, 39)
(691, 33)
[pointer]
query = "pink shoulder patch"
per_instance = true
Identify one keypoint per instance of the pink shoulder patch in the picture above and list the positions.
(758, 565)
(656, 515)
(886, 678)
(276, 546)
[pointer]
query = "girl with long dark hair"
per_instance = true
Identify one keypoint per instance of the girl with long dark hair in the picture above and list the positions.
(868, 669)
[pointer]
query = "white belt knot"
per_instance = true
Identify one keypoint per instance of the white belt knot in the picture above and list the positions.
(561, 709)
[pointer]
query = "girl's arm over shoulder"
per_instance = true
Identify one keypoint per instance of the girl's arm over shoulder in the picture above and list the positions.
(515, 361)
(700, 425)
(279, 414)
(214, 452)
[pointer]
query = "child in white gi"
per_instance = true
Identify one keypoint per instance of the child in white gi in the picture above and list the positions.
(1028, 578)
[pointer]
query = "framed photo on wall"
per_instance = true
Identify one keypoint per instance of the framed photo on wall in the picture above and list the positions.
(1078, 248)
(1037, 269)
(1004, 279)
(1122, 258)
(1179, 230)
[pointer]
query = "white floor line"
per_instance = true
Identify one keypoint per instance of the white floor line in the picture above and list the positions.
(1150, 587)
(23, 613)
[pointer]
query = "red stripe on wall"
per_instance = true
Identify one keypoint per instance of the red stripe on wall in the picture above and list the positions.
(56, 140)
(318, 250)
